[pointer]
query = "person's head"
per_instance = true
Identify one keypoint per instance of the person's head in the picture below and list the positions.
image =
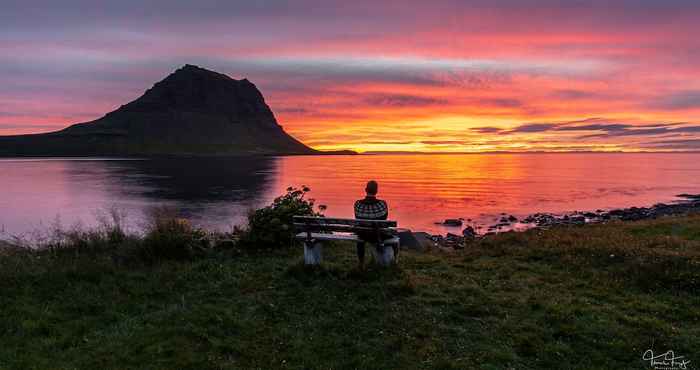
(372, 188)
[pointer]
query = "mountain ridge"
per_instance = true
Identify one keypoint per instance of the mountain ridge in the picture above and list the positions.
(192, 111)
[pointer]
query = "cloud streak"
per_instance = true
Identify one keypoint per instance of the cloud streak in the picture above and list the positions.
(445, 75)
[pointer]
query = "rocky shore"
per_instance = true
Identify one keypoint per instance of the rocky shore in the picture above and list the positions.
(688, 203)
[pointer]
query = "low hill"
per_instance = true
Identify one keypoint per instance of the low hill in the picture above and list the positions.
(193, 111)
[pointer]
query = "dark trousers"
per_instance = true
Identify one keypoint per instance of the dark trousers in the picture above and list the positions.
(361, 252)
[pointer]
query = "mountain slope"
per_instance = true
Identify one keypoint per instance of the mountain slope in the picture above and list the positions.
(193, 111)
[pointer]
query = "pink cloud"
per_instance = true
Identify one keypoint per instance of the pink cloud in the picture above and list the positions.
(334, 70)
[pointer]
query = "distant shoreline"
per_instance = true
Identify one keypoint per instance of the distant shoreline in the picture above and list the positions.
(166, 156)
(689, 204)
(516, 152)
(319, 153)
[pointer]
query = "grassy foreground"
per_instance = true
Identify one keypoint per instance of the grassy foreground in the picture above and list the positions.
(575, 298)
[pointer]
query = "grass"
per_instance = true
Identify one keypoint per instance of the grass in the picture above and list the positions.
(593, 297)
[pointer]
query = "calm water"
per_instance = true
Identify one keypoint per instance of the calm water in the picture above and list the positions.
(420, 189)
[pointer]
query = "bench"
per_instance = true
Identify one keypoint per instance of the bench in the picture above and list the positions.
(314, 230)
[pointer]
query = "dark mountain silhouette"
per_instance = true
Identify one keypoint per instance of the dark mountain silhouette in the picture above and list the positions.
(193, 111)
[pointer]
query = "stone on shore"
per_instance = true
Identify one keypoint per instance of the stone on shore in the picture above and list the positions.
(452, 222)
(469, 232)
(409, 240)
(453, 241)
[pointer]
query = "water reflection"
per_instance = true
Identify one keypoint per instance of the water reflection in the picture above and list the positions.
(420, 189)
(192, 179)
(212, 192)
(423, 189)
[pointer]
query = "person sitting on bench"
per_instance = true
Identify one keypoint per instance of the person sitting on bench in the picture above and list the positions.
(370, 208)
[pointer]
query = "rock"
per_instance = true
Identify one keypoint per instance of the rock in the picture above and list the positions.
(453, 241)
(512, 218)
(616, 213)
(408, 240)
(578, 220)
(541, 219)
(469, 232)
(544, 220)
(452, 222)
(425, 240)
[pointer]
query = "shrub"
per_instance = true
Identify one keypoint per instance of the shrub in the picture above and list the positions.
(272, 226)
(171, 238)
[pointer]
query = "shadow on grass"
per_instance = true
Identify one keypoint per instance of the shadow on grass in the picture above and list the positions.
(396, 280)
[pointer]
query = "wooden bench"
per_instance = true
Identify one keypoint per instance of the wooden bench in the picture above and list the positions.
(314, 230)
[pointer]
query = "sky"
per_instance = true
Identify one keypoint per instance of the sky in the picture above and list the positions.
(439, 75)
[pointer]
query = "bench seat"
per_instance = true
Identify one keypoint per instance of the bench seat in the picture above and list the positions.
(340, 237)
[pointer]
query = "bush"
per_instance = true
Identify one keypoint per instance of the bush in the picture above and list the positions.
(171, 238)
(272, 226)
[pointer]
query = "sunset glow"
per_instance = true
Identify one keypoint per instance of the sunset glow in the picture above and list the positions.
(439, 76)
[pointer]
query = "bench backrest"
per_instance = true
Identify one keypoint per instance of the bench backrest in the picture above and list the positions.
(308, 223)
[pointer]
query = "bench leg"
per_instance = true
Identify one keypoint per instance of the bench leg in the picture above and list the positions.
(385, 254)
(312, 253)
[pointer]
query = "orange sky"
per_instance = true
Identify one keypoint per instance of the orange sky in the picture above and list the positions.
(372, 76)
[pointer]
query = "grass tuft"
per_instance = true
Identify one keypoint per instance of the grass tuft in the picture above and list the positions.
(575, 298)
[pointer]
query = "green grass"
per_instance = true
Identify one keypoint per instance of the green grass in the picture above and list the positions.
(686, 231)
(593, 297)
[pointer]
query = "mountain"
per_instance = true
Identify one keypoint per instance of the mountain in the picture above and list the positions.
(193, 111)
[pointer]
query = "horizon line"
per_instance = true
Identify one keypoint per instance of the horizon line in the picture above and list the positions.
(375, 152)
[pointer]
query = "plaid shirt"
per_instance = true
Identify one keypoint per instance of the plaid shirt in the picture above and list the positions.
(371, 208)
